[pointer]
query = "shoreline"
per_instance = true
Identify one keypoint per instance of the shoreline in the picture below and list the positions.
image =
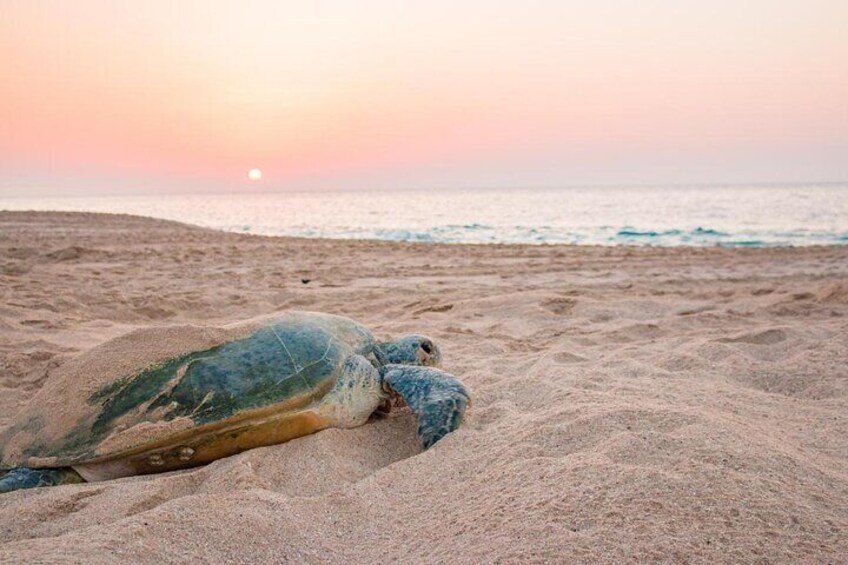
(629, 403)
(542, 244)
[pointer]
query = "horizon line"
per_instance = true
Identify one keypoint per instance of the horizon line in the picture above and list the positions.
(444, 188)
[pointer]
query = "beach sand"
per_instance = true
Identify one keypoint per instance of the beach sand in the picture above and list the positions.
(630, 404)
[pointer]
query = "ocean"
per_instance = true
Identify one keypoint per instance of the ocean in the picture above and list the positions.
(733, 216)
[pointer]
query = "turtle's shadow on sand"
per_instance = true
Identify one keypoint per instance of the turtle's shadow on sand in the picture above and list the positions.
(317, 464)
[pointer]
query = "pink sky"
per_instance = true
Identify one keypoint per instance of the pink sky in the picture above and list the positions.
(106, 96)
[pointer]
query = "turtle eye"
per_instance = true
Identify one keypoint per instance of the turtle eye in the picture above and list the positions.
(427, 346)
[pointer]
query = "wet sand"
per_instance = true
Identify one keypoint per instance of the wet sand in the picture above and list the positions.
(630, 404)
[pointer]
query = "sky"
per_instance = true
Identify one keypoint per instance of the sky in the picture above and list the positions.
(113, 97)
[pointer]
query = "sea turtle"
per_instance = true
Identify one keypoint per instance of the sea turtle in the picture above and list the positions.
(160, 399)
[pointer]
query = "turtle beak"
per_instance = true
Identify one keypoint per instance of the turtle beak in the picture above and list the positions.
(424, 358)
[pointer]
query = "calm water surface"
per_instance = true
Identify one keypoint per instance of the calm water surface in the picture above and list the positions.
(700, 216)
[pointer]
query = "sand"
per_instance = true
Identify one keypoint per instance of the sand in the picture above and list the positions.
(630, 404)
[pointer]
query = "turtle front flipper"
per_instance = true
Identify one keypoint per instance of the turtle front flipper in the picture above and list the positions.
(24, 477)
(437, 397)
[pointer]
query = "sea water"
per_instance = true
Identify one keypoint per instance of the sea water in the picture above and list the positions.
(752, 216)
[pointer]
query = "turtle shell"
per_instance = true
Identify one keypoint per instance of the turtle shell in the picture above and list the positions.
(163, 398)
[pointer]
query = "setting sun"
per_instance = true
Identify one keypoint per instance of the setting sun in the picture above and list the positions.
(254, 174)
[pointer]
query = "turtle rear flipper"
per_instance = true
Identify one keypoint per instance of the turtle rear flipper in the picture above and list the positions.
(24, 477)
(437, 397)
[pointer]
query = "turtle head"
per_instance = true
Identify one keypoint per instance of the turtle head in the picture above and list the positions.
(412, 350)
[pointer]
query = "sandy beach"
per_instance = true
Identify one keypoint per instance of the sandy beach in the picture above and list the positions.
(630, 404)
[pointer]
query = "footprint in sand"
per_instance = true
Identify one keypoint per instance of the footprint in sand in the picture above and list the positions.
(762, 291)
(154, 312)
(635, 333)
(834, 294)
(68, 253)
(559, 306)
(42, 324)
(564, 357)
(765, 337)
(14, 268)
(434, 308)
(697, 310)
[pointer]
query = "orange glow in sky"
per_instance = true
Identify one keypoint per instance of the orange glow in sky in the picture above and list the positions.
(191, 95)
